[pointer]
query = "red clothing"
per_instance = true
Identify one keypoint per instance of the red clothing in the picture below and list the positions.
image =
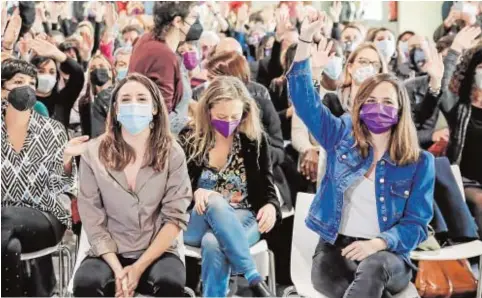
(155, 60)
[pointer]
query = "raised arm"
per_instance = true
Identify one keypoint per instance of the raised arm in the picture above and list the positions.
(325, 128)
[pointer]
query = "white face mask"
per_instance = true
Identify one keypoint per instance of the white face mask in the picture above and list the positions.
(45, 83)
(386, 47)
(478, 78)
(363, 73)
(334, 68)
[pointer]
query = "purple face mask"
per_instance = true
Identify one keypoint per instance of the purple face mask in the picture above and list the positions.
(378, 118)
(226, 128)
(190, 60)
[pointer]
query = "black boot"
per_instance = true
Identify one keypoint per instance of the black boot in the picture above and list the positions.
(261, 289)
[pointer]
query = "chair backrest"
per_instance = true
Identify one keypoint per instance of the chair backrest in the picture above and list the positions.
(303, 247)
(458, 177)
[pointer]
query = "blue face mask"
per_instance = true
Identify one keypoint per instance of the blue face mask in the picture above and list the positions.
(135, 117)
(334, 68)
(121, 73)
(386, 47)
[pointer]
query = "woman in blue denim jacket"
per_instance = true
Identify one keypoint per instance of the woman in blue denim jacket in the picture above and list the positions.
(375, 201)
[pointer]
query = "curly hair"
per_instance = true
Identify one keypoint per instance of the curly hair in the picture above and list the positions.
(463, 77)
(165, 12)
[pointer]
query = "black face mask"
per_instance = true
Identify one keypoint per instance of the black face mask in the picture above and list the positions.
(22, 98)
(195, 31)
(99, 76)
(417, 59)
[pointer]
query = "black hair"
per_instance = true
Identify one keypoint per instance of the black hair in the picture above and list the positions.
(11, 67)
(130, 28)
(165, 12)
(38, 61)
(404, 33)
(465, 89)
(256, 17)
(444, 43)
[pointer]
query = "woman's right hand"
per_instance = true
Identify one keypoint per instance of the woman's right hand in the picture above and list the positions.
(312, 25)
(320, 55)
(201, 199)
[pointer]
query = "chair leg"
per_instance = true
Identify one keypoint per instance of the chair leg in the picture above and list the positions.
(479, 282)
(272, 272)
(61, 272)
(289, 291)
(68, 256)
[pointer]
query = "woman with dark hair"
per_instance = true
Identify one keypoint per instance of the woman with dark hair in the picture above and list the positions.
(36, 172)
(133, 199)
(174, 22)
(376, 199)
(94, 104)
(462, 108)
(58, 103)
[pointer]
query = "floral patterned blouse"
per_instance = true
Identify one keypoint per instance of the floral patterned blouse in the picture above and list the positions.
(230, 181)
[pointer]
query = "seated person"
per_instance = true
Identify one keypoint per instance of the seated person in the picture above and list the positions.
(133, 199)
(376, 200)
(35, 172)
(235, 199)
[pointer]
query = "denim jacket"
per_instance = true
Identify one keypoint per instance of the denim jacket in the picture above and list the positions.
(404, 193)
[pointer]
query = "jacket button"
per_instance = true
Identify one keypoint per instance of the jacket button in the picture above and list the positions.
(343, 156)
(382, 180)
(382, 162)
(385, 218)
(382, 199)
(406, 193)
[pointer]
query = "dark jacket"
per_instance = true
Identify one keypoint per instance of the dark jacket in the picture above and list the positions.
(272, 126)
(259, 173)
(27, 13)
(100, 109)
(426, 116)
(60, 103)
(270, 67)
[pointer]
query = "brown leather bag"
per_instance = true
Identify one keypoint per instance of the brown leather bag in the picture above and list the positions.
(442, 279)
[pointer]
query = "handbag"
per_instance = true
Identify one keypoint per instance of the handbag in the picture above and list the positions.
(445, 278)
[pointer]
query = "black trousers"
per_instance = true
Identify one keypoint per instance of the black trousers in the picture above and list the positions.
(165, 277)
(335, 276)
(25, 230)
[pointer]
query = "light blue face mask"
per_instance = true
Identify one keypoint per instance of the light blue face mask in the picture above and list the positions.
(121, 73)
(135, 117)
(334, 68)
(386, 47)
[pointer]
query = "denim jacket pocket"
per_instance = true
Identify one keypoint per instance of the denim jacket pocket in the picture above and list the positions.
(400, 191)
(348, 156)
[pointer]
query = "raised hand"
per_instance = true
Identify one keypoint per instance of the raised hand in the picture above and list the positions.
(320, 55)
(55, 10)
(282, 23)
(434, 65)
(312, 25)
(12, 31)
(44, 48)
(335, 11)
(4, 16)
(110, 15)
(464, 39)
(453, 16)
(40, 10)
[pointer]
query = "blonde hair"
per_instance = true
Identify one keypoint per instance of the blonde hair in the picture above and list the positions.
(403, 147)
(222, 89)
(347, 81)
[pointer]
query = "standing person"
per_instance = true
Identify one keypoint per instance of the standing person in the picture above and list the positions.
(133, 199)
(376, 200)
(231, 175)
(36, 170)
(154, 54)
(58, 103)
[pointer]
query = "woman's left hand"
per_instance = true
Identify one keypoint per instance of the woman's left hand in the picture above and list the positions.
(266, 218)
(360, 250)
(134, 274)
(75, 147)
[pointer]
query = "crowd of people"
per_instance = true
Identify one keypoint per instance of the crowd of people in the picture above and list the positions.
(169, 120)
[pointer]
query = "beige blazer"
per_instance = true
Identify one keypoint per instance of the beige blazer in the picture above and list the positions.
(126, 222)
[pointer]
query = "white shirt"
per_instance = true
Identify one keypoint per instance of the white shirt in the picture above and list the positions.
(359, 215)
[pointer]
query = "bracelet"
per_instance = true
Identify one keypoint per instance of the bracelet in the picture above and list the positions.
(305, 41)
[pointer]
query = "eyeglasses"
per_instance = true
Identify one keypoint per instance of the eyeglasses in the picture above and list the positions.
(365, 62)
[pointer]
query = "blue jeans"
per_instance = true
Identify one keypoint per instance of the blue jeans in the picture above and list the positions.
(224, 235)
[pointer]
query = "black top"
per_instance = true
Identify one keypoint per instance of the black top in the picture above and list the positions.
(259, 173)
(471, 163)
(100, 108)
(60, 103)
(332, 102)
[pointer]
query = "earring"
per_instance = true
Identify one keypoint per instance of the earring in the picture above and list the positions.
(151, 125)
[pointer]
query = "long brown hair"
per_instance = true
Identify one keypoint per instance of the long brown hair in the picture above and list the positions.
(221, 89)
(115, 153)
(403, 148)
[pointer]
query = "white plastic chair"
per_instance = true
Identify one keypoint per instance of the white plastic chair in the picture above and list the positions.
(61, 249)
(302, 251)
(263, 257)
(84, 247)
